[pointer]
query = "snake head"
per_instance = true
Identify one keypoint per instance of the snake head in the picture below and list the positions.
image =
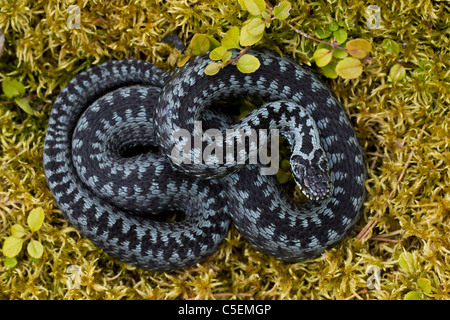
(313, 178)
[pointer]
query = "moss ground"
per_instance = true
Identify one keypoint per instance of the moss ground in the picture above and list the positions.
(403, 126)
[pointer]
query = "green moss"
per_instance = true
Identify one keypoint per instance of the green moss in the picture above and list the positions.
(42, 53)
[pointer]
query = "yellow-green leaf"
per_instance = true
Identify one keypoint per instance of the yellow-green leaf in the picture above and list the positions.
(35, 249)
(255, 7)
(349, 68)
(230, 39)
(406, 261)
(220, 53)
(412, 295)
(18, 231)
(247, 39)
(35, 219)
(242, 4)
(424, 284)
(182, 61)
(322, 57)
(226, 56)
(212, 68)
(12, 246)
(281, 11)
(248, 63)
(256, 26)
(358, 48)
(217, 53)
(199, 44)
(397, 72)
(24, 104)
(12, 88)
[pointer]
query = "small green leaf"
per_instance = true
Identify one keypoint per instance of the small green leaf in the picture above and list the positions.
(281, 11)
(406, 261)
(340, 35)
(412, 295)
(339, 54)
(424, 64)
(24, 104)
(217, 53)
(12, 246)
(230, 39)
(35, 249)
(12, 88)
(255, 7)
(285, 165)
(213, 43)
(349, 68)
(256, 26)
(283, 176)
(322, 34)
(397, 72)
(213, 68)
(420, 72)
(329, 70)
(358, 48)
(35, 219)
(247, 39)
(248, 63)
(10, 262)
(424, 284)
(322, 57)
(390, 46)
(18, 231)
(199, 44)
(334, 26)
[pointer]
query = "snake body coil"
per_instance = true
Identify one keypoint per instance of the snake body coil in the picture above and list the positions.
(111, 195)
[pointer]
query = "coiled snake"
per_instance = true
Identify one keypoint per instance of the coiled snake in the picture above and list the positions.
(111, 196)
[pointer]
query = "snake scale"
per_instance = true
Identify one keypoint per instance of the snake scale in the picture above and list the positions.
(111, 195)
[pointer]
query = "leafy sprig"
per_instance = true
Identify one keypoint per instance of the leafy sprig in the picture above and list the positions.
(335, 54)
(15, 91)
(13, 244)
(408, 264)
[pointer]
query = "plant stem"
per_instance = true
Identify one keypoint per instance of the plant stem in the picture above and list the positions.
(233, 61)
(332, 44)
